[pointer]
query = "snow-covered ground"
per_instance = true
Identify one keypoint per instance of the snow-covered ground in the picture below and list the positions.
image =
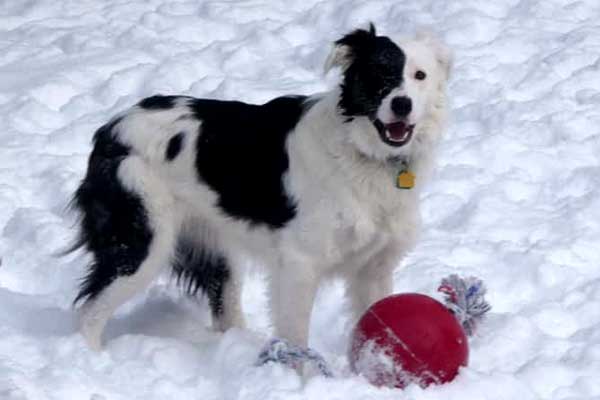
(516, 200)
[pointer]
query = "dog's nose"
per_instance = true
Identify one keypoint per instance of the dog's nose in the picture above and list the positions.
(401, 106)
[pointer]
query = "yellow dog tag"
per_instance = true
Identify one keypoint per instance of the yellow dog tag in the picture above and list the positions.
(405, 180)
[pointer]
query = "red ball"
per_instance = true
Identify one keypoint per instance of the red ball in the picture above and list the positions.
(408, 338)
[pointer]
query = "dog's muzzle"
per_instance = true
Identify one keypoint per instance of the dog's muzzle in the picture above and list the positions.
(395, 134)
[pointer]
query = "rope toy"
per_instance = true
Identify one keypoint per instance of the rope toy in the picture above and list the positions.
(286, 353)
(465, 298)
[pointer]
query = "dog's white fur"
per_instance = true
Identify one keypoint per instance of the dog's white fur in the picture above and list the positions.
(351, 220)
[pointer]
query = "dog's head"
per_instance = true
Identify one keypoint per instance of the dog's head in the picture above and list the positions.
(391, 89)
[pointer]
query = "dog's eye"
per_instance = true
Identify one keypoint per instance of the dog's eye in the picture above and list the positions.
(420, 75)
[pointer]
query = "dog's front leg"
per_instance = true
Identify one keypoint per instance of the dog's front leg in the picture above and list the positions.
(293, 287)
(374, 281)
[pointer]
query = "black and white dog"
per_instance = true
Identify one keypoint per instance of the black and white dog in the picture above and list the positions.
(306, 186)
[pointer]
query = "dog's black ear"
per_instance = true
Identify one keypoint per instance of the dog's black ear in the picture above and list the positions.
(346, 49)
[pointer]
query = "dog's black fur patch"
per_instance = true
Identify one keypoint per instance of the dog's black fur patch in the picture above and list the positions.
(174, 146)
(158, 102)
(241, 155)
(114, 224)
(199, 270)
(376, 67)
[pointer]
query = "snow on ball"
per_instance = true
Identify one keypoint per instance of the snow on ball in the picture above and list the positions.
(408, 338)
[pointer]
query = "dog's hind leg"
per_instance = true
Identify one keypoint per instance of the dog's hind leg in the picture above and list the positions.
(130, 225)
(204, 268)
(229, 314)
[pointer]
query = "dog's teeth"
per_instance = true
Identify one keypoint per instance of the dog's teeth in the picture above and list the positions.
(396, 139)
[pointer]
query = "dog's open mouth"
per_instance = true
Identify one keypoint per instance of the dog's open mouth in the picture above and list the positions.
(395, 134)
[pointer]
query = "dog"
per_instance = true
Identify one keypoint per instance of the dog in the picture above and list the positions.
(307, 186)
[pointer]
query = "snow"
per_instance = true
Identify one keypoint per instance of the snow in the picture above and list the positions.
(515, 201)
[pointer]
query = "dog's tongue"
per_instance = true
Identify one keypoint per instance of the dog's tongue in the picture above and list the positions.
(397, 130)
